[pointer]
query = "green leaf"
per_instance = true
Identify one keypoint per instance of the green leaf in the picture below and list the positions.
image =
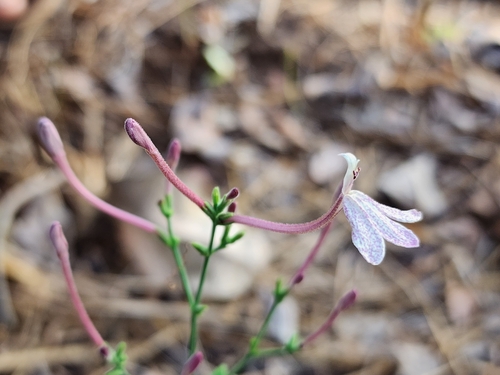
(224, 216)
(119, 356)
(220, 61)
(200, 248)
(254, 342)
(209, 210)
(221, 370)
(280, 291)
(118, 360)
(172, 241)
(116, 371)
(166, 206)
(293, 344)
(199, 309)
(235, 238)
(216, 196)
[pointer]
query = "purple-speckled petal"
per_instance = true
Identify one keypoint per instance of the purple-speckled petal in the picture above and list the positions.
(408, 216)
(390, 230)
(365, 236)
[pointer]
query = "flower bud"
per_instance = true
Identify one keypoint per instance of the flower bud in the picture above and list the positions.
(173, 153)
(192, 363)
(58, 239)
(347, 300)
(233, 194)
(137, 134)
(49, 137)
(232, 207)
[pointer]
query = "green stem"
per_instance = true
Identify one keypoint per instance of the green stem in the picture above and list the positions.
(195, 306)
(265, 324)
(168, 238)
(240, 364)
(272, 352)
(252, 351)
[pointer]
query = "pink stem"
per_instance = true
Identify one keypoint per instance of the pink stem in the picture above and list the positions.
(98, 203)
(61, 245)
(140, 138)
(290, 228)
(299, 275)
(52, 143)
(344, 303)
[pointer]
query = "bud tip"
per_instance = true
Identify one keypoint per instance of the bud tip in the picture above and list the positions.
(58, 239)
(173, 153)
(192, 363)
(233, 193)
(137, 134)
(49, 137)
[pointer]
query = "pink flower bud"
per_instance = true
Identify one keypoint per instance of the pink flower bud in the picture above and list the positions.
(232, 207)
(192, 363)
(347, 300)
(140, 138)
(344, 303)
(59, 240)
(173, 153)
(137, 134)
(233, 194)
(49, 137)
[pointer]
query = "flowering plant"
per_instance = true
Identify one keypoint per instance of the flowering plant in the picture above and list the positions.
(371, 223)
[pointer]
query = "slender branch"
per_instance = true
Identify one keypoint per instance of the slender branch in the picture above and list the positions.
(299, 275)
(61, 245)
(98, 203)
(193, 338)
(344, 303)
(290, 228)
(140, 138)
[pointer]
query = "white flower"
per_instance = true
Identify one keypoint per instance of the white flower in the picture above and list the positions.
(373, 222)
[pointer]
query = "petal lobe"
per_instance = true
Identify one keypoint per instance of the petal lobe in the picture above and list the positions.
(365, 236)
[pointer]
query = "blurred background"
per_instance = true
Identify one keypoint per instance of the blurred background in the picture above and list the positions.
(263, 94)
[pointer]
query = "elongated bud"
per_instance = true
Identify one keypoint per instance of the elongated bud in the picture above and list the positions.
(172, 159)
(347, 300)
(299, 275)
(140, 138)
(192, 363)
(173, 154)
(61, 245)
(233, 194)
(137, 134)
(59, 240)
(49, 137)
(232, 207)
(216, 196)
(344, 303)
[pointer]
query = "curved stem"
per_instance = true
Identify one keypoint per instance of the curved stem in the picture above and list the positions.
(299, 275)
(139, 136)
(146, 225)
(344, 303)
(61, 245)
(172, 177)
(290, 228)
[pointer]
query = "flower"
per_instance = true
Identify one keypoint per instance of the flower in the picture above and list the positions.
(373, 222)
